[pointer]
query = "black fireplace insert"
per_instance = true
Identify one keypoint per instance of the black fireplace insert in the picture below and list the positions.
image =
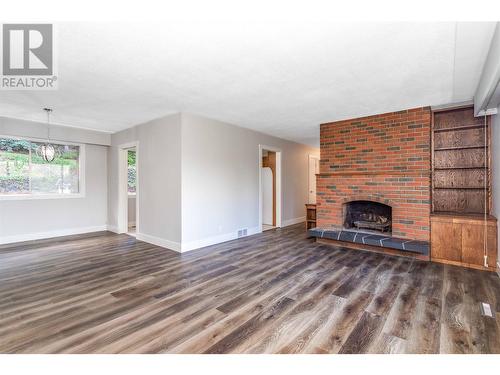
(368, 215)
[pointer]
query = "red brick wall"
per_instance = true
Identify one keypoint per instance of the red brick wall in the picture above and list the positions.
(383, 158)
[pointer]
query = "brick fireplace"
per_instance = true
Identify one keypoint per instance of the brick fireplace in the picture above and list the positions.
(383, 159)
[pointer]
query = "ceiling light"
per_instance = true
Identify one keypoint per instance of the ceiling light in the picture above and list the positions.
(47, 151)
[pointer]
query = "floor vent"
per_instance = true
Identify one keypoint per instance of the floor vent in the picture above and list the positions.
(242, 232)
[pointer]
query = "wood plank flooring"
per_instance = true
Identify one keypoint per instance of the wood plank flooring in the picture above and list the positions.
(276, 292)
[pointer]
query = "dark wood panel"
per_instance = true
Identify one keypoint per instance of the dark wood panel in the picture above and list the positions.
(474, 239)
(468, 158)
(460, 178)
(446, 241)
(276, 292)
(457, 200)
(456, 118)
(460, 138)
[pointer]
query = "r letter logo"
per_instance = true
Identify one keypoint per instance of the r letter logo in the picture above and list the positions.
(28, 57)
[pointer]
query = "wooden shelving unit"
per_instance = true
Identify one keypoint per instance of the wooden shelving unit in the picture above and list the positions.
(310, 216)
(460, 162)
(461, 190)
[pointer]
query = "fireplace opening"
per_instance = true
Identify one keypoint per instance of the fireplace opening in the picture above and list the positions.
(368, 215)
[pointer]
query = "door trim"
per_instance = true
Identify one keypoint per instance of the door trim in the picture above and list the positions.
(315, 157)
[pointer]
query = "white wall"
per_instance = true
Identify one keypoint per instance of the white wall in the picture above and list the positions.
(487, 94)
(199, 180)
(159, 171)
(495, 169)
(22, 220)
(30, 129)
(220, 180)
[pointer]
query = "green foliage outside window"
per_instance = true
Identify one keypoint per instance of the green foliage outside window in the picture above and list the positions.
(132, 171)
(22, 171)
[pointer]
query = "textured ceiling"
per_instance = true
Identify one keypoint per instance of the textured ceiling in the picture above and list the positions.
(280, 79)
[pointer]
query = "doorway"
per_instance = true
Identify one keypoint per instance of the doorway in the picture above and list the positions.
(131, 191)
(128, 189)
(270, 188)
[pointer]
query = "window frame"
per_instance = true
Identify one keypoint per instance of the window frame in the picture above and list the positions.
(81, 174)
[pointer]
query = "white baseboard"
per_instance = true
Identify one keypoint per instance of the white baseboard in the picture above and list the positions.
(176, 246)
(113, 228)
(294, 221)
(171, 245)
(214, 240)
(50, 234)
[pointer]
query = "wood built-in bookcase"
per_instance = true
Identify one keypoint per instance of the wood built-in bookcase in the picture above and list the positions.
(460, 162)
(461, 234)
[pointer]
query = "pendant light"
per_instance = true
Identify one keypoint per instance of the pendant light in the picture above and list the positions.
(47, 151)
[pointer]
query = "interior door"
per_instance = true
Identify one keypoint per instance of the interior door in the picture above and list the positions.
(313, 170)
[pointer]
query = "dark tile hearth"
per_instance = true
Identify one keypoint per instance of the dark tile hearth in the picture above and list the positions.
(379, 240)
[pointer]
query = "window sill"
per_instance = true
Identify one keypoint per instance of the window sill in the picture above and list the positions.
(17, 197)
(132, 194)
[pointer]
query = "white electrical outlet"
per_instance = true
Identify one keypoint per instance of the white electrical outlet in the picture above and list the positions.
(486, 309)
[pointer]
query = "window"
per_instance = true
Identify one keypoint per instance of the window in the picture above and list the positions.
(24, 173)
(131, 172)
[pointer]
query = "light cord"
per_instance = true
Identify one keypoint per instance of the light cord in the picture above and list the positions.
(48, 110)
(485, 240)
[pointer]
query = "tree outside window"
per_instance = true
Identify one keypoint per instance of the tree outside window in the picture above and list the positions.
(132, 171)
(23, 172)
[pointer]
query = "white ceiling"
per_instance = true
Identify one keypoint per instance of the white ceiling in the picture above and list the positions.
(280, 79)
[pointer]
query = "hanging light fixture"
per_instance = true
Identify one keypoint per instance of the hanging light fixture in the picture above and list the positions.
(47, 151)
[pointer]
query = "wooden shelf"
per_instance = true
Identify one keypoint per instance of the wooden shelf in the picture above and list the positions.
(459, 148)
(458, 188)
(310, 216)
(454, 168)
(463, 216)
(466, 127)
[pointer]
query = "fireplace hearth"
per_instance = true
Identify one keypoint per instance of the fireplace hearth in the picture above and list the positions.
(368, 215)
(368, 225)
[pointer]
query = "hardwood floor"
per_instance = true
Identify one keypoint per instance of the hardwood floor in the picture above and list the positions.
(277, 292)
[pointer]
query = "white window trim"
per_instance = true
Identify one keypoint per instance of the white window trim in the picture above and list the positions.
(129, 193)
(81, 174)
